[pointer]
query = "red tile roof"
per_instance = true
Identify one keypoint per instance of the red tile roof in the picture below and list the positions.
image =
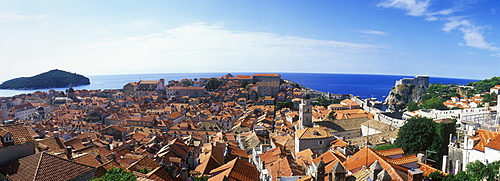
(44, 167)
(20, 133)
(313, 133)
(236, 169)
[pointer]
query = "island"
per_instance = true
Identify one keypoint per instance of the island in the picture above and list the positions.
(51, 79)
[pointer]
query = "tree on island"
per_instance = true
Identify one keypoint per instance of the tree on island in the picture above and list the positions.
(50, 79)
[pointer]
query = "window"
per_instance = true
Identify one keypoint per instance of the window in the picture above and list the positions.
(8, 138)
(320, 142)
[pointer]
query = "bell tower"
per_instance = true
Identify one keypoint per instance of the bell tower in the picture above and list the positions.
(305, 112)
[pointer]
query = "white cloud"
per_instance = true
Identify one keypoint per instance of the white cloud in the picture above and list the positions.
(414, 7)
(12, 16)
(495, 55)
(373, 32)
(200, 36)
(211, 47)
(471, 34)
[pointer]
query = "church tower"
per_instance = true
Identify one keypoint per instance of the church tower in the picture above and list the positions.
(5, 114)
(305, 112)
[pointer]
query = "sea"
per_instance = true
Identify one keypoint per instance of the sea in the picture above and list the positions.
(363, 85)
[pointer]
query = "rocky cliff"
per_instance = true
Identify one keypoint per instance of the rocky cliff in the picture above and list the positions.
(401, 94)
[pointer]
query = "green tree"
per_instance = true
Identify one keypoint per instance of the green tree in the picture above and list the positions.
(213, 84)
(244, 84)
(436, 176)
(144, 170)
(490, 98)
(416, 135)
(384, 147)
(280, 105)
(485, 85)
(199, 177)
(477, 170)
(440, 142)
(116, 174)
(434, 103)
(332, 115)
(411, 106)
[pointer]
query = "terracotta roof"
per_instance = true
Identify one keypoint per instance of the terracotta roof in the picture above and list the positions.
(404, 160)
(149, 82)
(87, 159)
(191, 88)
(174, 115)
(390, 152)
(145, 162)
(272, 155)
(159, 174)
(366, 156)
(313, 133)
(20, 133)
(267, 75)
(52, 143)
(485, 137)
(284, 167)
(76, 143)
(44, 166)
(428, 169)
(236, 169)
(304, 156)
(327, 157)
(494, 143)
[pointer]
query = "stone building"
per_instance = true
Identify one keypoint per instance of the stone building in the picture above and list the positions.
(185, 91)
(268, 89)
(266, 78)
(145, 88)
(317, 139)
(417, 80)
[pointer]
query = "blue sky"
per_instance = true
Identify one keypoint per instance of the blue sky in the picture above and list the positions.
(446, 38)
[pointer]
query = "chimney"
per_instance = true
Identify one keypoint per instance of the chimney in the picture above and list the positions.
(320, 174)
(338, 172)
(69, 152)
(415, 175)
(445, 163)
(184, 174)
(420, 158)
(375, 168)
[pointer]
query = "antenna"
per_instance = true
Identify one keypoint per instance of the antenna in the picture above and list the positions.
(366, 144)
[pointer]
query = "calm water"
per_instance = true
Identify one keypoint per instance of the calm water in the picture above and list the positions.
(362, 85)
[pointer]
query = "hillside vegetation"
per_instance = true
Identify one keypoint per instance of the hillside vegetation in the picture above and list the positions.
(485, 85)
(51, 79)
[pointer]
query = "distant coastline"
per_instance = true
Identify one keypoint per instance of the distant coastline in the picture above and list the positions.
(365, 86)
